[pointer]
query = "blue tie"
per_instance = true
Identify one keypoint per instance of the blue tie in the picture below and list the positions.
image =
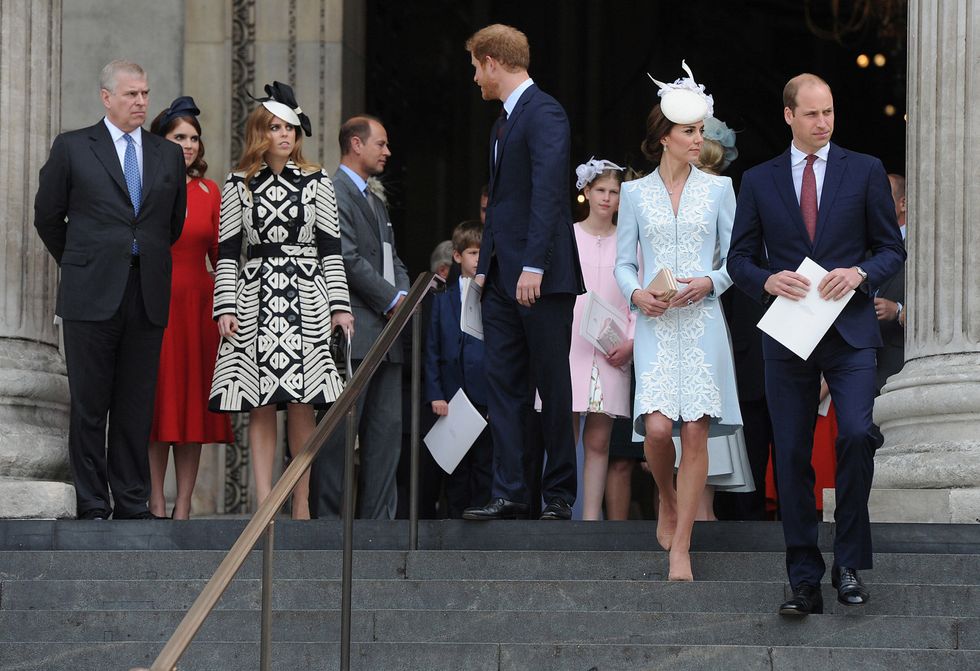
(131, 169)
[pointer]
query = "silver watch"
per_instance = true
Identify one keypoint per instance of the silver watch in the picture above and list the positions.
(864, 275)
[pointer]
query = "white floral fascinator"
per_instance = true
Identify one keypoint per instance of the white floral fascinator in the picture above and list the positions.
(588, 171)
(684, 101)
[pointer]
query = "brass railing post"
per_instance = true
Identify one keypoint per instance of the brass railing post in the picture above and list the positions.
(348, 563)
(413, 497)
(260, 523)
(265, 650)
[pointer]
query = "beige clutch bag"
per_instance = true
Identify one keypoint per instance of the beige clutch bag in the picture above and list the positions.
(663, 285)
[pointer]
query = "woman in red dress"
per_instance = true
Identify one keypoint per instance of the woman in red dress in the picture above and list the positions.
(181, 417)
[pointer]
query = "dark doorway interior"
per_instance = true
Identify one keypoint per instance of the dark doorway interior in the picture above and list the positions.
(593, 56)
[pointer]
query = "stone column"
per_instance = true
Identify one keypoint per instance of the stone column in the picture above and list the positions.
(930, 412)
(33, 385)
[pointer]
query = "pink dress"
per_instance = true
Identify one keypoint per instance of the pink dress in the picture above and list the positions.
(591, 373)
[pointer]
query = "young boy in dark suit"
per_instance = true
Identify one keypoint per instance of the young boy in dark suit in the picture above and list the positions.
(453, 361)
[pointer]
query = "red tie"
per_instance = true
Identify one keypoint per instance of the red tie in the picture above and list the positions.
(808, 198)
(501, 124)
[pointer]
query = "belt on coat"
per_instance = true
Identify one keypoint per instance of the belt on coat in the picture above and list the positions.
(274, 249)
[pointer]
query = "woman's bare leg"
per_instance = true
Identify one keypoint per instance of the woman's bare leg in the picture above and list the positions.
(187, 459)
(658, 446)
(691, 476)
(619, 488)
(300, 422)
(595, 440)
(159, 454)
(262, 443)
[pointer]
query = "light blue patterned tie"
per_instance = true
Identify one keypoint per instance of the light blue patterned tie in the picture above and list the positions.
(131, 169)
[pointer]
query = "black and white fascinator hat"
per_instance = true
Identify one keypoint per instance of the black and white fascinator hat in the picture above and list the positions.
(588, 171)
(684, 101)
(281, 101)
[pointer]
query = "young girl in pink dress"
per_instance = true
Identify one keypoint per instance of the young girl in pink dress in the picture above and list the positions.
(600, 382)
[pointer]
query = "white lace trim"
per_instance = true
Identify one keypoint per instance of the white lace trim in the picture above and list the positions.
(679, 382)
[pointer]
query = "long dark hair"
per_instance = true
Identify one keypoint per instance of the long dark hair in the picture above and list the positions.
(199, 166)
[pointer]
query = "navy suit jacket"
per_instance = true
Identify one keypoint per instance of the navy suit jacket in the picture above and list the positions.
(529, 220)
(453, 359)
(856, 226)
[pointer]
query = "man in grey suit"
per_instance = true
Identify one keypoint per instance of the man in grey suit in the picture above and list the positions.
(110, 202)
(378, 284)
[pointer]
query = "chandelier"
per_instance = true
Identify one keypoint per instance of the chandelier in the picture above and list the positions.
(840, 20)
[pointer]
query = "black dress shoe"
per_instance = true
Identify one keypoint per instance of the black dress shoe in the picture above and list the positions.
(556, 509)
(142, 515)
(497, 509)
(94, 514)
(806, 600)
(850, 589)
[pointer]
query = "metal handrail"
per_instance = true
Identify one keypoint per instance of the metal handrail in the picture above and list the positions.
(261, 523)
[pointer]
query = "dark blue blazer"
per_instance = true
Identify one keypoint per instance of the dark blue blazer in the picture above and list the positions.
(856, 226)
(529, 219)
(453, 359)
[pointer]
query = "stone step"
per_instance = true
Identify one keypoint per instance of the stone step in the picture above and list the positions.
(581, 627)
(219, 534)
(486, 657)
(503, 595)
(895, 568)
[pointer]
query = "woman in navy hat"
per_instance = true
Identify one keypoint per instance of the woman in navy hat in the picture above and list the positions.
(276, 311)
(181, 418)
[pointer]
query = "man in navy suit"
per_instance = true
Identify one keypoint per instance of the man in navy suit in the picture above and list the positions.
(820, 201)
(531, 274)
(110, 201)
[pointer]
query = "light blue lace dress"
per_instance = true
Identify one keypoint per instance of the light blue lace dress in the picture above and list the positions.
(682, 359)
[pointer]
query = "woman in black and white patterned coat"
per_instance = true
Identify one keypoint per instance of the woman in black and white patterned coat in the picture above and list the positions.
(276, 313)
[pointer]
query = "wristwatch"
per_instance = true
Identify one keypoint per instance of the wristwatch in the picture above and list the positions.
(864, 275)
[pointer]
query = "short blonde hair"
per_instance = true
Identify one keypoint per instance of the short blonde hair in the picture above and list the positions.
(504, 44)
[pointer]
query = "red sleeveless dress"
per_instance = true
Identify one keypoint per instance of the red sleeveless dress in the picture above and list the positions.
(190, 342)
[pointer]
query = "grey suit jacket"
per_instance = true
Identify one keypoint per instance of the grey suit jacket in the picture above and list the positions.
(361, 240)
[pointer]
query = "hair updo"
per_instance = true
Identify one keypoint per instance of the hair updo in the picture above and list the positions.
(658, 126)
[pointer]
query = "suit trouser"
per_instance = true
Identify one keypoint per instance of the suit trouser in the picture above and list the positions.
(525, 346)
(112, 370)
(792, 390)
(379, 433)
(469, 484)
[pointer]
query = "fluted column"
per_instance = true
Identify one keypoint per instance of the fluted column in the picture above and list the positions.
(930, 412)
(33, 386)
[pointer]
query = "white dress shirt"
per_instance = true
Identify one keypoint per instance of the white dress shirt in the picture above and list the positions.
(120, 143)
(797, 160)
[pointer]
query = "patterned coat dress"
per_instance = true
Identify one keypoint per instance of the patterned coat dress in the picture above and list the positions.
(283, 295)
(683, 359)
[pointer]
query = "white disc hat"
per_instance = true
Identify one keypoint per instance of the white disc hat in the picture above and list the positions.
(684, 101)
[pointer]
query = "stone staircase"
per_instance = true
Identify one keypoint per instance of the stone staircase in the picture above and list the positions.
(539, 596)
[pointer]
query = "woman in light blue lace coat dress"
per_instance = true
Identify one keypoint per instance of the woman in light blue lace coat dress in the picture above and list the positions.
(685, 377)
